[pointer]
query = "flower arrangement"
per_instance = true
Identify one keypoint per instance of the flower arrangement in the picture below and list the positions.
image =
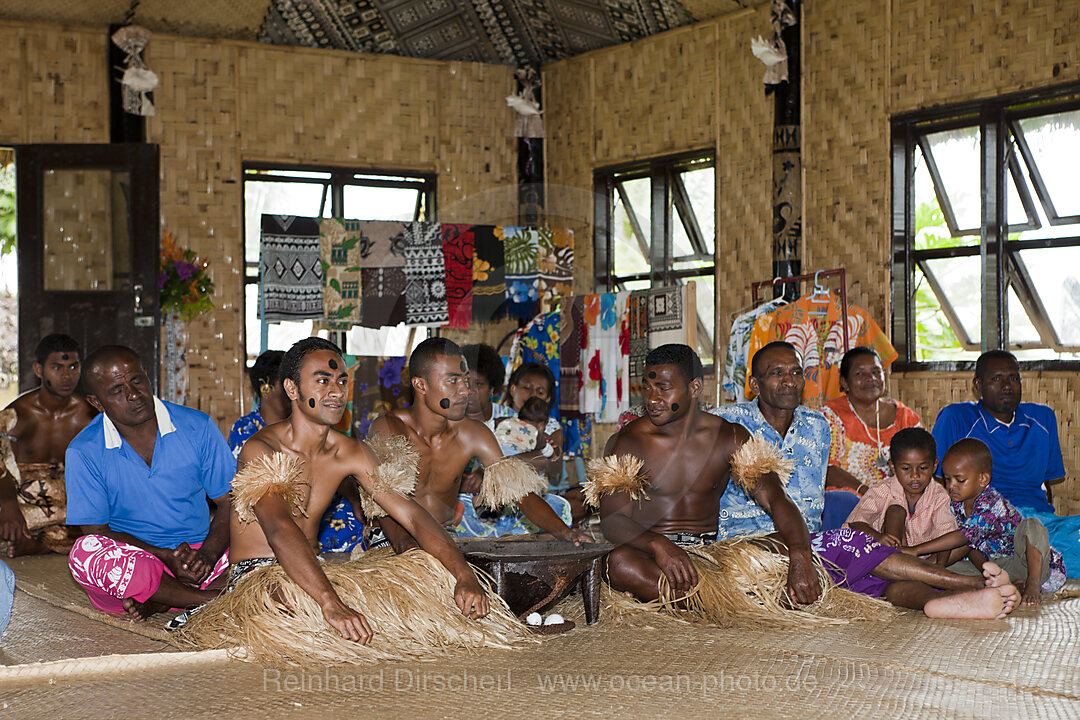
(183, 281)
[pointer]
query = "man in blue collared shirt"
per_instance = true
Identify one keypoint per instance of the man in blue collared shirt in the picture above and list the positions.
(801, 434)
(138, 479)
(1023, 441)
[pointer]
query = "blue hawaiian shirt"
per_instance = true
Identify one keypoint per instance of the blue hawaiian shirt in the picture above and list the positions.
(806, 442)
(244, 428)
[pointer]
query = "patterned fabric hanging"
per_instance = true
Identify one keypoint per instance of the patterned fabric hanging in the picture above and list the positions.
(425, 275)
(383, 272)
(638, 342)
(555, 263)
(522, 270)
(291, 268)
(489, 274)
(571, 323)
(458, 243)
(340, 251)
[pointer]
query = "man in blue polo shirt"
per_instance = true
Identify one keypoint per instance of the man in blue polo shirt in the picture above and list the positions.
(1023, 441)
(138, 479)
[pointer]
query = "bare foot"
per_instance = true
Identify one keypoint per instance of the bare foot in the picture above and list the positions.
(990, 603)
(994, 575)
(1033, 598)
(140, 611)
(26, 546)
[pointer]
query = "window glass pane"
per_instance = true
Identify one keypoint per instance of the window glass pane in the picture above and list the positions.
(959, 282)
(1014, 207)
(1054, 141)
(630, 257)
(701, 189)
(956, 154)
(680, 242)
(275, 198)
(931, 231)
(378, 203)
(1055, 274)
(1021, 330)
(632, 284)
(384, 342)
(86, 218)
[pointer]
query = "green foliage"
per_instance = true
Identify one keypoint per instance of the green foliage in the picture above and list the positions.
(7, 208)
(933, 334)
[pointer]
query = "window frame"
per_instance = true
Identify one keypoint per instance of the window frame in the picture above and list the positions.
(333, 191)
(998, 120)
(669, 203)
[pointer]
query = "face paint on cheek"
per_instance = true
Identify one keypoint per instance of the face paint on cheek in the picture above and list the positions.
(333, 364)
(444, 404)
(311, 403)
(652, 374)
(674, 407)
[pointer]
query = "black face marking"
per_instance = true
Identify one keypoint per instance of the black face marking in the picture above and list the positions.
(674, 407)
(333, 364)
(444, 404)
(652, 374)
(464, 366)
(311, 402)
(64, 357)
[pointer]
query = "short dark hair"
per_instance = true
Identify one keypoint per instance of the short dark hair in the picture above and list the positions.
(294, 358)
(755, 362)
(265, 370)
(976, 452)
(425, 353)
(986, 357)
(535, 409)
(533, 368)
(99, 357)
(56, 342)
(913, 438)
(849, 359)
(679, 355)
(485, 361)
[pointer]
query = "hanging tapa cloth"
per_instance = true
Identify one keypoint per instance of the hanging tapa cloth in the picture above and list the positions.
(592, 388)
(383, 273)
(571, 323)
(458, 243)
(340, 250)
(489, 274)
(291, 269)
(522, 273)
(425, 275)
(555, 262)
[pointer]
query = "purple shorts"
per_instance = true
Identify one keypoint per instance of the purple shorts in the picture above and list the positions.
(850, 556)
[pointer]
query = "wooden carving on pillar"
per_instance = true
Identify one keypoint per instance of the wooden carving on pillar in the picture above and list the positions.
(782, 77)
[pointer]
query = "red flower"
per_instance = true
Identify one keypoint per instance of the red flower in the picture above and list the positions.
(594, 367)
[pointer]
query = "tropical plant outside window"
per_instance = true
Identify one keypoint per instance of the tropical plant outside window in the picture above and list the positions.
(327, 192)
(656, 227)
(953, 204)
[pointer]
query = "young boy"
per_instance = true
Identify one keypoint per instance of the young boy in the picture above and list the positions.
(992, 529)
(908, 508)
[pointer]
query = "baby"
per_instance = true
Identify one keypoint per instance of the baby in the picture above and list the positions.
(908, 508)
(525, 432)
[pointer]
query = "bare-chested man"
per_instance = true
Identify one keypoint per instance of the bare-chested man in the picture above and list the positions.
(687, 458)
(315, 381)
(47, 418)
(436, 426)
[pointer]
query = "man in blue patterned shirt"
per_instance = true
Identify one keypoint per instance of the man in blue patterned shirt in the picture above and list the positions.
(801, 434)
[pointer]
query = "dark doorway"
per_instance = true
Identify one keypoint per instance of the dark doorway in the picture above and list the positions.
(88, 239)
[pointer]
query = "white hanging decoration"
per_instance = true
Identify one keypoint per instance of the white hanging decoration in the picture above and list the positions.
(138, 80)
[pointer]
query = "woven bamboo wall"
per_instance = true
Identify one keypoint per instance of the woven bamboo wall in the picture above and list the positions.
(693, 88)
(51, 88)
(78, 252)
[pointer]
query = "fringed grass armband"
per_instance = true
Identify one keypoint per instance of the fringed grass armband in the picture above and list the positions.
(611, 474)
(508, 481)
(278, 474)
(755, 458)
(397, 472)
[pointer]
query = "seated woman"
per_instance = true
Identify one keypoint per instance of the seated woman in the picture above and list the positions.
(271, 405)
(863, 421)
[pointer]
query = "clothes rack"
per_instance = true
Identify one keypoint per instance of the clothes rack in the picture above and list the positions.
(816, 277)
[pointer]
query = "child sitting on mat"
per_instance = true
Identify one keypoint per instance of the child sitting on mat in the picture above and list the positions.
(992, 529)
(908, 508)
